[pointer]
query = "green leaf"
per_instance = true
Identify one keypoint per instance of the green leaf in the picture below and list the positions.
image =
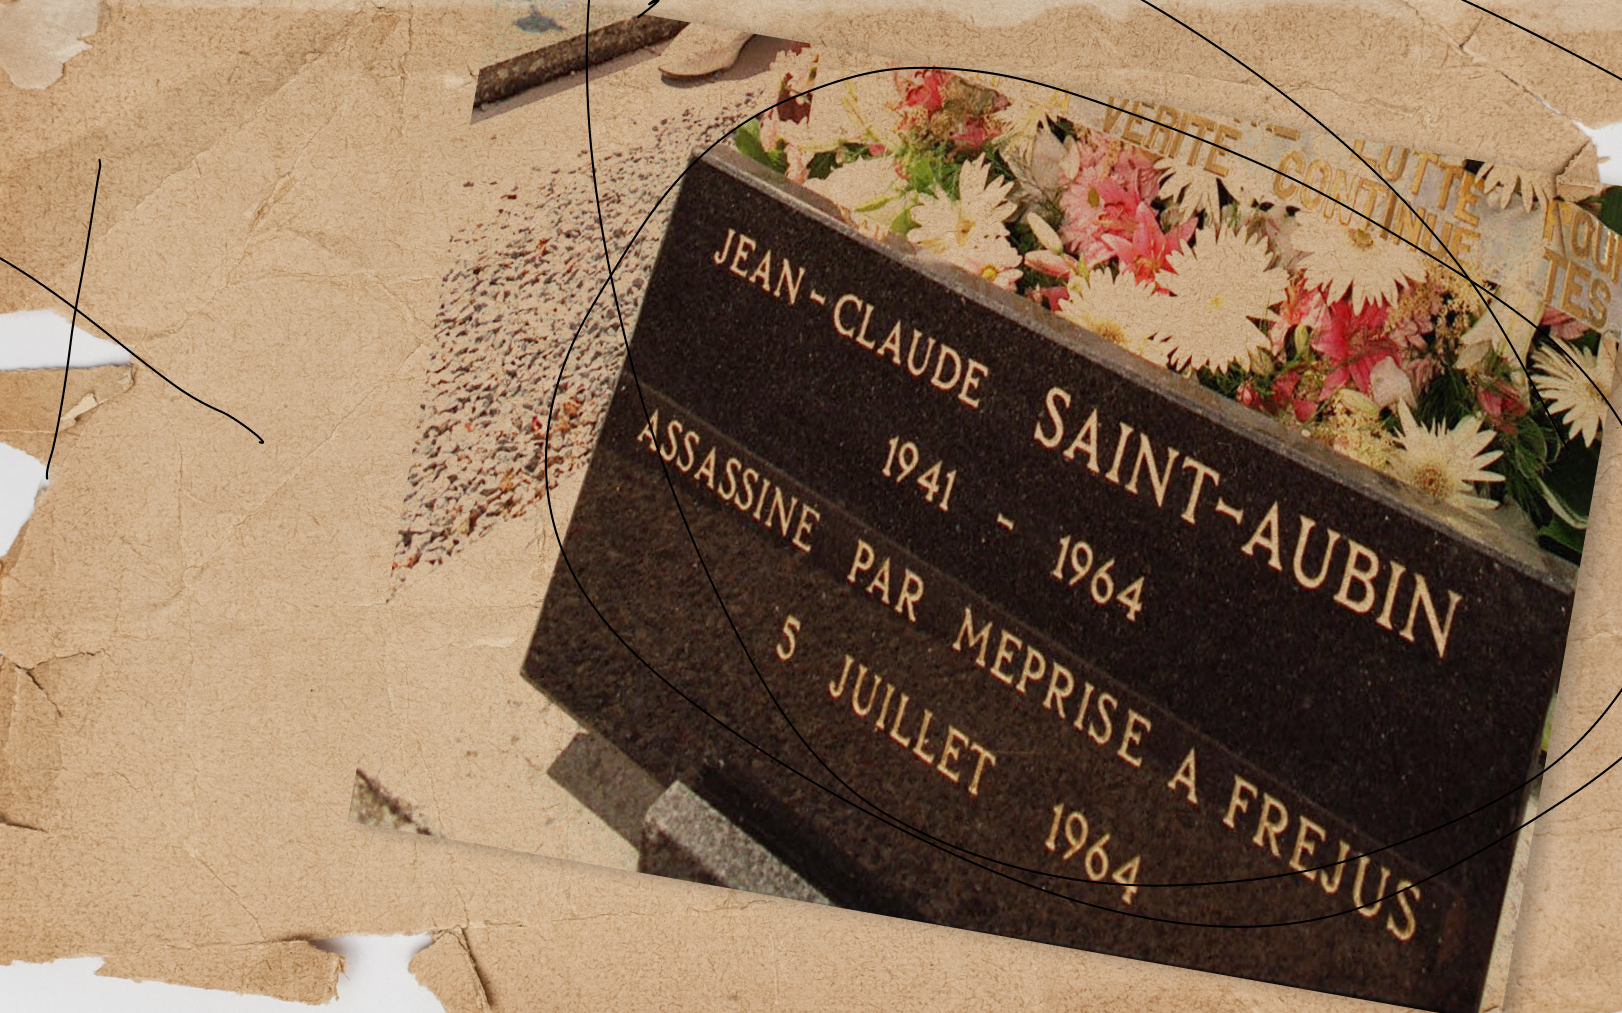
(1564, 536)
(1610, 208)
(822, 164)
(747, 138)
(1572, 476)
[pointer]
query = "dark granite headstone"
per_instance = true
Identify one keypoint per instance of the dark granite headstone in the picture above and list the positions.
(968, 616)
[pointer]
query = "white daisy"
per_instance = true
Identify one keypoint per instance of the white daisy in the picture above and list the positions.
(1030, 108)
(868, 191)
(1220, 285)
(1446, 462)
(969, 231)
(1119, 310)
(1347, 257)
(1191, 187)
(1581, 399)
(1501, 183)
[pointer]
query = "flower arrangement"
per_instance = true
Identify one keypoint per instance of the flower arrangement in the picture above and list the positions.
(1322, 321)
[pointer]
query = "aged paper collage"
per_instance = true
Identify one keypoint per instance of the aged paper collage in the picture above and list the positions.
(203, 636)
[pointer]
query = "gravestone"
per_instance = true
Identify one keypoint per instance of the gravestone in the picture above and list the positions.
(964, 615)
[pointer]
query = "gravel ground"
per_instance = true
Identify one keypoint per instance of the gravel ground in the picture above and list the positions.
(508, 309)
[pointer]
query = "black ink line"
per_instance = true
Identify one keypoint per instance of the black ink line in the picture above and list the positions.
(884, 816)
(1534, 35)
(651, 6)
(1386, 847)
(67, 363)
(880, 813)
(155, 371)
(1559, 431)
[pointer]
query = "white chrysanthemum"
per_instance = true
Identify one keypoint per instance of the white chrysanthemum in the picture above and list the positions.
(1191, 187)
(1447, 463)
(1347, 257)
(868, 190)
(1501, 183)
(1580, 399)
(799, 67)
(1030, 106)
(1220, 285)
(971, 226)
(1119, 310)
(859, 110)
(869, 102)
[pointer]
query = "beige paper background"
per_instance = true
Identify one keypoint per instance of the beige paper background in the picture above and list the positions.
(198, 633)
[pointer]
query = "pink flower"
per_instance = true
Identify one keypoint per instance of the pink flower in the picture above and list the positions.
(1048, 262)
(1095, 205)
(977, 130)
(922, 89)
(1562, 325)
(1135, 170)
(798, 169)
(1145, 253)
(1052, 296)
(1283, 397)
(1302, 305)
(1502, 405)
(1354, 343)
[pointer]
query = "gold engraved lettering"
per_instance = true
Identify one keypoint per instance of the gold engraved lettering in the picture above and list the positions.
(1367, 910)
(1158, 480)
(1086, 439)
(1056, 696)
(986, 756)
(746, 246)
(1201, 473)
(955, 741)
(720, 256)
(923, 735)
(862, 710)
(1312, 583)
(1439, 628)
(1005, 653)
(884, 708)
(1034, 668)
(1187, 773)
(982, 638)
(1404, 888)
(1239, 802)
(1267, 537)
(1329, 878)
(1132, 734)
(838, 690)
(1274, 819)
(1308, 835)
(1364, 574)
(1105, 710)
